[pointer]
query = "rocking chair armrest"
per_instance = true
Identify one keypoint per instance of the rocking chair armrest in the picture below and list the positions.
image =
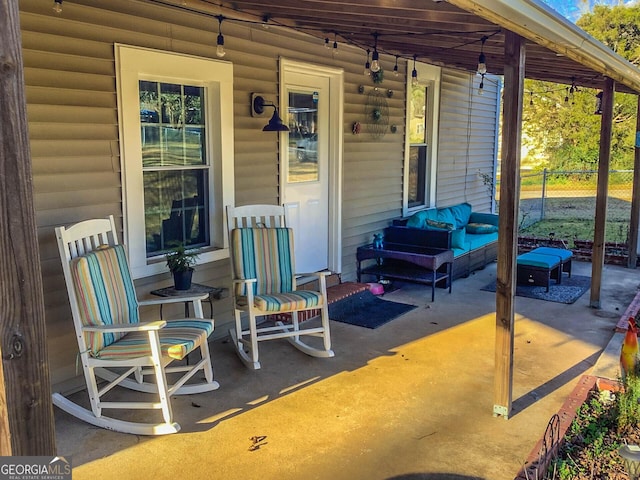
(246, 280)
(163, 300)
(126, 327)
(313, 274)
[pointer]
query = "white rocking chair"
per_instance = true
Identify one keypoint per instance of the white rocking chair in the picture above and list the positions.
(264, 283)
(110, 336)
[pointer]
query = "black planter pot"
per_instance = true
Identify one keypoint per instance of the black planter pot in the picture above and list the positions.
(182, 280)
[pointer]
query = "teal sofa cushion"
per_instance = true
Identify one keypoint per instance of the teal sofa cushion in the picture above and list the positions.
(478, 240)
(461, 214)
(419, 219)
(446, 215)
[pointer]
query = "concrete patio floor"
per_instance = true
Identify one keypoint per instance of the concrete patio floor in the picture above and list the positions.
(410, 400)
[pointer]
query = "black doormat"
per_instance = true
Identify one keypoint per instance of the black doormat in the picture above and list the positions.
(570, 290)
(364, 309)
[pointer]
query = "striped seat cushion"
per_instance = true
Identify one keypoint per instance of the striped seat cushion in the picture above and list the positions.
(106, 295)
(177, 339)
(288, 302)
(265, 254)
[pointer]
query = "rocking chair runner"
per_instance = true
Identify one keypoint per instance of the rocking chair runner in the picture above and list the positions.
(110, 335)
(264, 280)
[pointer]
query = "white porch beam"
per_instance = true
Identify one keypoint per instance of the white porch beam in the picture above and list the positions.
(537, 22)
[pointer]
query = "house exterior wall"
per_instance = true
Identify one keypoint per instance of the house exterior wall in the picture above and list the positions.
(467, 140)
(72, 112)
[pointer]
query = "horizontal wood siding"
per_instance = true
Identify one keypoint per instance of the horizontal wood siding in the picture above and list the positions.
(71, 97)
(467, 139)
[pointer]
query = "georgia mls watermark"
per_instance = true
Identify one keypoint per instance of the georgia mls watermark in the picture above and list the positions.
(35, 468)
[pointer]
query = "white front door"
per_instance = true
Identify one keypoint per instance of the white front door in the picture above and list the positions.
(305, 168)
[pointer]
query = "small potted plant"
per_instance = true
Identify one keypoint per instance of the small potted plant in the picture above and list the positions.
(181, 263)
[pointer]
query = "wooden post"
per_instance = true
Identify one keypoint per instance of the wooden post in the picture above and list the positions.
(25, 389)
(634, 221)
(5, 431)
(514, 54)
(597, 255)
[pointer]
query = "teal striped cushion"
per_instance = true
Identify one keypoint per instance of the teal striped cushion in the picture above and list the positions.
(288, 302)
(265, 254)
(177, 339)
(105, 292)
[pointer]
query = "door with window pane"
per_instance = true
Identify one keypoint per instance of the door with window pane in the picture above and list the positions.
(305, 189)
(175, 165)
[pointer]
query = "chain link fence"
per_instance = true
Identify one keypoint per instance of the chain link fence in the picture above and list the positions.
(563, 204)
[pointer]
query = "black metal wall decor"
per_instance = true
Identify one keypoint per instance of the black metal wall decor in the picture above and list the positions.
(376, 112)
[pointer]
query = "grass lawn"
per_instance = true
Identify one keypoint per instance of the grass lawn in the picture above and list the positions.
(573, 218)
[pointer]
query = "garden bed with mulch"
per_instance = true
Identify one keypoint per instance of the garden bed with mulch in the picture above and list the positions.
(582, 440)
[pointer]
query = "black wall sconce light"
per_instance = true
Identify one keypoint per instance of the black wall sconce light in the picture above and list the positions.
(258, 104)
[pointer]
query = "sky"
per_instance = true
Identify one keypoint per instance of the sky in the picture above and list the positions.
(573, 9)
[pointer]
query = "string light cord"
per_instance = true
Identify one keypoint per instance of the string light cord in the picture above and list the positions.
(344, 37)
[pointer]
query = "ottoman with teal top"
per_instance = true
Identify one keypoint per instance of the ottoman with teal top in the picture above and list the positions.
(537, 269)
(564, 254)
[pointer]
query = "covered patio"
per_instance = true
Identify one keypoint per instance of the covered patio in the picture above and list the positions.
(409, 400)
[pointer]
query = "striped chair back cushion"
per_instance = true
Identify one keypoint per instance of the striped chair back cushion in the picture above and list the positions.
(265, 254)
(105, 292)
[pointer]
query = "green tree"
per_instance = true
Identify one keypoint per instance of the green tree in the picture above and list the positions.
(559, 125)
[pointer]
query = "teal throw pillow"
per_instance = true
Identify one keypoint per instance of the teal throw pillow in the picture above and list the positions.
(481, 228)
(461, 213)
(416, 220)
(434, 224)
(457, 239)
(445, 215)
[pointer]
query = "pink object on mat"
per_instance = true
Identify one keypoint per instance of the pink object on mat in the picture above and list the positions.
(376, 288)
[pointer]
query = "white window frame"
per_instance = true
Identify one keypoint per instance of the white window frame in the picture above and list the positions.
(137, 63)
(428, 75)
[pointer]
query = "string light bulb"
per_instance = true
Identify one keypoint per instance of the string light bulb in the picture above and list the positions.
(367, 65)
(395, 68)
(375, 58)
(531, 98)
(414, 73)
(327, 45)
(481, 86)
(482, 59)
(57, 6)
(220, 52)
(265, 21)
(335, 44)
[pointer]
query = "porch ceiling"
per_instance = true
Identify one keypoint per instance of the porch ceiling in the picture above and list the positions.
(444, 34)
